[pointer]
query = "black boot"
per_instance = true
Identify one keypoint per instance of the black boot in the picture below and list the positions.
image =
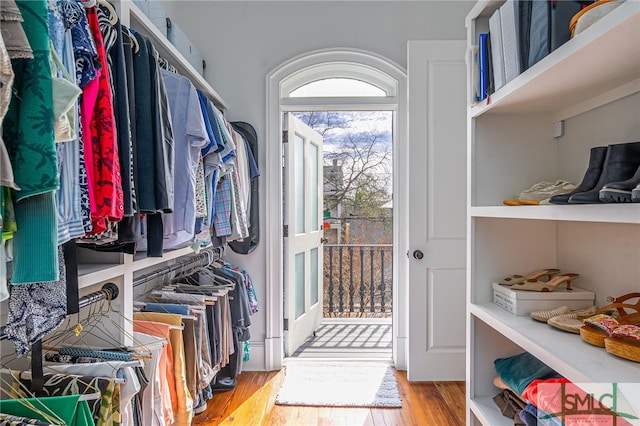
(635, 194)
(620, 192)
(620, 164)
(590, 179)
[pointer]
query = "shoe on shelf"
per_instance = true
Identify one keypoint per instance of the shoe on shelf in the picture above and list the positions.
(572, 321)
(546, 315)
(624, 342)
(590, 178)
(609, 317)
(621, 163)
(537, 275)
(635, 194)
(540, 193)
(598, 327)
(545, 286)
(620, 192)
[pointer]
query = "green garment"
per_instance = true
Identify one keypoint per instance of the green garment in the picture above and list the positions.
(28, 134)
(62, 410)
(28, 126)
(35, 243)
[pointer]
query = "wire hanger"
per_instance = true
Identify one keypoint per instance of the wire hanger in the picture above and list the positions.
(133, 41)
(101, 326)
(112, 15)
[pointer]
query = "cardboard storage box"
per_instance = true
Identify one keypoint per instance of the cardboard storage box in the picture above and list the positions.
(522, 303)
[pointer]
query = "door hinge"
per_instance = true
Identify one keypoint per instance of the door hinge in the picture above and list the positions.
(285, 231)
(285, 325)
(285, 136)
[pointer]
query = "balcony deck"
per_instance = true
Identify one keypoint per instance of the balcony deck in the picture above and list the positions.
(352, 338)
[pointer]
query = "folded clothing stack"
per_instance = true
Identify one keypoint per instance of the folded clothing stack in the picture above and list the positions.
(532, 393)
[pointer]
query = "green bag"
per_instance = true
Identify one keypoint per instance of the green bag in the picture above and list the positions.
(58, 410)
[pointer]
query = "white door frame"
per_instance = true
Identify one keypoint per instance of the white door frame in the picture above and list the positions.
(286, 72)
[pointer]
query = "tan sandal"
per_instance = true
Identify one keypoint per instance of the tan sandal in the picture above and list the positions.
(552, 284)
(572, 321)
(535, 275)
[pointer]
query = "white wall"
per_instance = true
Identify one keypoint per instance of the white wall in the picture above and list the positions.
(242, 41)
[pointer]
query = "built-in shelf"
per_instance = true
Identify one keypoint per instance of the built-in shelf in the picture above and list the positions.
(565, 352)
(142, 262)
(593, 82)
(140, 22)
(609, 213)
(90, 274)
(487, 411)
(588, 58)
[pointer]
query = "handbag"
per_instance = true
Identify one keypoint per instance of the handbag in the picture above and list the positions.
(68, 410)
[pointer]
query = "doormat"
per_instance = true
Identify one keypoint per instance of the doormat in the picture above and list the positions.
(339, 384)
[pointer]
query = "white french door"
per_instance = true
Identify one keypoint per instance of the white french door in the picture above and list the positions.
(303, 199)
(437, 210)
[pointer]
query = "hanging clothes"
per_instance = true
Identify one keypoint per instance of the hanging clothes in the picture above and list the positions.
(190, 137)
(100, 137)
(184, 411)
(154, 134)
(36, 309)
(28, 134)
(159, 400)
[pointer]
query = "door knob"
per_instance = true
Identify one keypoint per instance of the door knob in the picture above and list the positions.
(418, 254)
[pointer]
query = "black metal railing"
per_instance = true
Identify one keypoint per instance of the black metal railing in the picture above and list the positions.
(358, 280)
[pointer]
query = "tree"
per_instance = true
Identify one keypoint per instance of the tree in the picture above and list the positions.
(363, 156)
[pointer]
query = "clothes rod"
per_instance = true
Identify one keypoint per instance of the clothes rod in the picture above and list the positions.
(109, 291)
(203, 258)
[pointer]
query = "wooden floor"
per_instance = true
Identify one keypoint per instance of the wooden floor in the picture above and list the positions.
(252, 403)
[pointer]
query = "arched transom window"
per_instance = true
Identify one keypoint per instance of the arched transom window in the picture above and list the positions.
(338, 79)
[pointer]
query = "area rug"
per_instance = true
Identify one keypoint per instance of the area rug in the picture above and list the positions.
(339, 384)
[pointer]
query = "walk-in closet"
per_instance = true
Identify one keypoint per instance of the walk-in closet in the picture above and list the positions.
(123, 187)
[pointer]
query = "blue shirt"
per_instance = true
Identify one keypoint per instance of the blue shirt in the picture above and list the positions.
(190, 136)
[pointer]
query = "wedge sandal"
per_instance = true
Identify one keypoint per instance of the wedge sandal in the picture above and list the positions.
(624, 342)
(598, 327)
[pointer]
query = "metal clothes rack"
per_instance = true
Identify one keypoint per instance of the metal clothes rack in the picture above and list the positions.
(204, 258)
(109, 291)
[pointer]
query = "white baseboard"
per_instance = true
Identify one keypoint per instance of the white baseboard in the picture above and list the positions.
(264, 355)
(400, 360)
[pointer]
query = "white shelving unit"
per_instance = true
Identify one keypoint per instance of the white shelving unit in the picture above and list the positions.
(592, 83)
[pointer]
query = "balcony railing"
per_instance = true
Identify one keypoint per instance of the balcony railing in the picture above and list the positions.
(358, 280)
